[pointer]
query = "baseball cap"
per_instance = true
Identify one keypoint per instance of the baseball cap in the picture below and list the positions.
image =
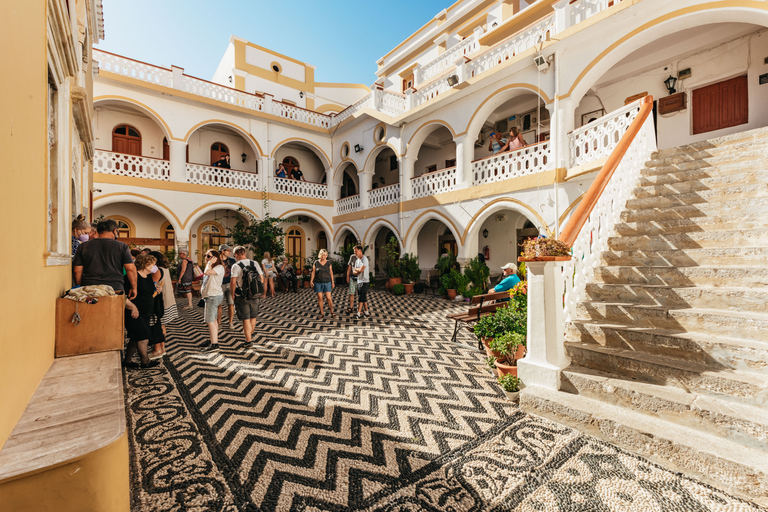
(509, 265)
(224, 247)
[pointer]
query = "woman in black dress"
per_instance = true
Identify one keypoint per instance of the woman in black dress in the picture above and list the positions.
(138, 314)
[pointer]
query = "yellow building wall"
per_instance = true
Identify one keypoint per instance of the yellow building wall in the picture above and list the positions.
(29, 287)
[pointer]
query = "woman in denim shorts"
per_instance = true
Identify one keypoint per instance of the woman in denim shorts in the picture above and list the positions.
(322, 280)
(213, 295)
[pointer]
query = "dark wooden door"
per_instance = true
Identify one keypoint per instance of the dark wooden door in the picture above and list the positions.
(166, 150)
(218, 150)
(126, 140)
(720, 105)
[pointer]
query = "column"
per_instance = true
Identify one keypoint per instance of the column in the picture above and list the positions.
(366, 182)
(465, 151)
(333, 190)
(406, 189)
(178, 160)
(266, 172)
(546, 356)
(562, 122)
(178, 77)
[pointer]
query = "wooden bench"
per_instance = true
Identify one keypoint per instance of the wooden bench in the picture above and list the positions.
(482, 305)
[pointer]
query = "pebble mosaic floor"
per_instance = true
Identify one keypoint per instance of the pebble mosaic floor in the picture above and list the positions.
(378, 414)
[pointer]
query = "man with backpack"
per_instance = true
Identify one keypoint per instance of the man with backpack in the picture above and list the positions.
(246, 286)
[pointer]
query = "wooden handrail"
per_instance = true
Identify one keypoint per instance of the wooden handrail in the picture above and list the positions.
(583, 211)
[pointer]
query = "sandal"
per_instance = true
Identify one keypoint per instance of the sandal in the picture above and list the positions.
(348, 311)
(333, 315)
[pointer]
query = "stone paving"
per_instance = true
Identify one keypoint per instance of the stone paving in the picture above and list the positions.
(377, 414)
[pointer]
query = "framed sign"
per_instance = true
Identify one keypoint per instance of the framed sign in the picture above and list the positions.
(591, 116)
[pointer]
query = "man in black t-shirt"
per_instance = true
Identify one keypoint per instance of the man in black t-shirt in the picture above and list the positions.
(297, 174)
(102, 260)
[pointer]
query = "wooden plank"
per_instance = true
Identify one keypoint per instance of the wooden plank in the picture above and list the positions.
(165, 242)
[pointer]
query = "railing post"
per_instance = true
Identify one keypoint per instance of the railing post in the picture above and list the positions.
(376, 97)
(178, 160)
(268, 107)
(562, 15)
(416, 75)
(366, 182)
(465, 151)
(546, 356)
(462, 70)
(332, 192)
(562, 123)
(409, 99)
(178, 77)
(266, 171)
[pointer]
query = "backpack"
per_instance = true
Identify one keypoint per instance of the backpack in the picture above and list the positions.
(252, 285)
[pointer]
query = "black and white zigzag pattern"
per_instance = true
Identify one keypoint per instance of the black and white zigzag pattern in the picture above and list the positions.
(383, 413)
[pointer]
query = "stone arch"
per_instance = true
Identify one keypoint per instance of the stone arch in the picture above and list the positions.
(663, 25)
(343, 229)
(503, 203)
(129, 197)
(317, 150)
(370, 162)
(237, 129)
(209, 207)
(144, 109)
(327, 226)
(421, 134)
(412, 234)
(497, 99)
(373, 230)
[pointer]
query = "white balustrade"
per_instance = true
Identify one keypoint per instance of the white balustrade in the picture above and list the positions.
(299, 188)
(348, 205)
(384, 195)
(584, 9)
(512, 164)
(133, 68)
(524, 40)
(598, 138)
(433, 183)
(221, 93)
(353, 109)
(301, 115)
(430, 91)
(593, 237)
(107, 162)
(448, 59)
(391, 103)
(219, 177)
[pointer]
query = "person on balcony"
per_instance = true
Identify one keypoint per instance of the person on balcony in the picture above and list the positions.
(496, 143)
(515, 140)
(223, 162)
(280, 172)
(297, 174)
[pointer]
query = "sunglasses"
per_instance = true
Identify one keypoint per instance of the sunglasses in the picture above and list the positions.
(209, 256)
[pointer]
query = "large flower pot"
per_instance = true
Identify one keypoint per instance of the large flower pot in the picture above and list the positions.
(408, 288)
(451, 294)
(504, 369)
(306, 284)
(393, 281)
(488, 351)
(520, 352)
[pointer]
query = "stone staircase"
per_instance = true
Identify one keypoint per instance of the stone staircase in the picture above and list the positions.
(669, 354)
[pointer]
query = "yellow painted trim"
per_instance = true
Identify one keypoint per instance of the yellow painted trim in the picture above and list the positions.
(299, 139)
(499, 200)
(165, 225)
(112, 194)
(186, 221)
(570, 207)
(375, 152)
(272, 52)
(383, 137)
(441, 215)
(328, 107)
(384, 221)
(341, 152)
(750, 4)
(307, 85)
(228, 123)
(137, 103)
(340, 230)
(176, 187)
(408, 71)
(302, 243)
(440, 122)
(300, 200)
(520, 85)
(129, 222)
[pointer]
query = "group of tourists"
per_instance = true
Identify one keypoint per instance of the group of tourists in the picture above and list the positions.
(294, 174)
(498, 144)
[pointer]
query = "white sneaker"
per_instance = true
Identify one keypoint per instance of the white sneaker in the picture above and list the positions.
(358, 315)
(367, 313)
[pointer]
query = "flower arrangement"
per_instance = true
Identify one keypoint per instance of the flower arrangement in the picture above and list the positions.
(543, 247)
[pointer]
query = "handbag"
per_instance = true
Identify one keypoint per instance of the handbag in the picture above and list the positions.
(197, 272)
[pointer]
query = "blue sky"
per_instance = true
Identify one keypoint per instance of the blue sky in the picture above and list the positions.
(343, 38)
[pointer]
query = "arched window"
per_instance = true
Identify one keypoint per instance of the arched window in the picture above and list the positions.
(125, 228)
(212, 235)
(127, 140)
(293, 244)
(166, 149)
(167, 232)
(322, 241)
(218, 150)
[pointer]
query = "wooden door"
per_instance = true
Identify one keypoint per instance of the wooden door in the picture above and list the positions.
(127, 140)
(166, 149)
(290, 163)
(218, 150)
(293, 246)
(450, 246)
(721, 105)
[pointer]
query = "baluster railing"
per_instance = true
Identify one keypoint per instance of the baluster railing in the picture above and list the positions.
(133, 68)
(219, 177)
(435, 182)
(348, 204)
(448, 59)
(384, 195)
(119, 164)
(584, 9)
(512, 164)
(391, 103)
(598, 138)
(221, 93)
(299, 188)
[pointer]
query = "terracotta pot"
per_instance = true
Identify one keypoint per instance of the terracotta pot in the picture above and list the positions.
(408, 288)
(488, 351)
(504, 369)
(392, 281)
(451, 294)
(520, 352)
(306, 284)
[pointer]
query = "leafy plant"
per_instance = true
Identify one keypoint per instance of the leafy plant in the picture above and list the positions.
(541, 246)
(347, 251)
(471, 292)
(491, 362)
(478, 274)
(511, 318)
(446, 262)
(506, 345)
(461, 281)
(448, 281)
(398, 289)
(409, 268)
(173, 259)
(522, 272)
(311, 259)
(441, 291)
(338, 266)
(509, 383)
(260, 236)
(391, 258)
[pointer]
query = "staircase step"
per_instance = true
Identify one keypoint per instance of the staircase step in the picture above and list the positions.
(735, 141)
(674, 187)
(727, 299)
(744, 221)
(751, 326)
(717, 351)
(706, 379)
(739, 276)
(730, 173)
(746, 425)
(733, 256)
(752, 157)
(746, 205)
(722, 462)
(733, 193)
(694, 240)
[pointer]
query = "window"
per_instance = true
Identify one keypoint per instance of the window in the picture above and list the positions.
(53, 167)
(720, 105)
(218, 150)
(124, 226)
(407, 82)
(431, 168)
(450, 163)
(212, 235)
(127, 140)
(166, 149)
(167, 232)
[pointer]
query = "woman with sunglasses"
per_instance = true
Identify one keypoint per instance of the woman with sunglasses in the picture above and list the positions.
(212, 293)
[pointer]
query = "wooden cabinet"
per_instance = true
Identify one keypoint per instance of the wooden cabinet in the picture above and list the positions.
(673, 103)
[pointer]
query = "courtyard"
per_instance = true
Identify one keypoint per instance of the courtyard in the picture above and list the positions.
(383, 413)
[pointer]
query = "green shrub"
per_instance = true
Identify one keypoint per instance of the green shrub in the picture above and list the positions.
(511, 318)
(509, 383)
(475, 290)
(398, 289)
(409, 268)
(506, 345)
(441, 291)
(478, 274)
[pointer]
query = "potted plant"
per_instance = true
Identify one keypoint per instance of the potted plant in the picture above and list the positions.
(478, 274)
(391, 263)
(507, 349)
(306, 278)
(545, 249)
(409, 266)
(398, 289)
(512, 318)
(448, 282)
(510, 384)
